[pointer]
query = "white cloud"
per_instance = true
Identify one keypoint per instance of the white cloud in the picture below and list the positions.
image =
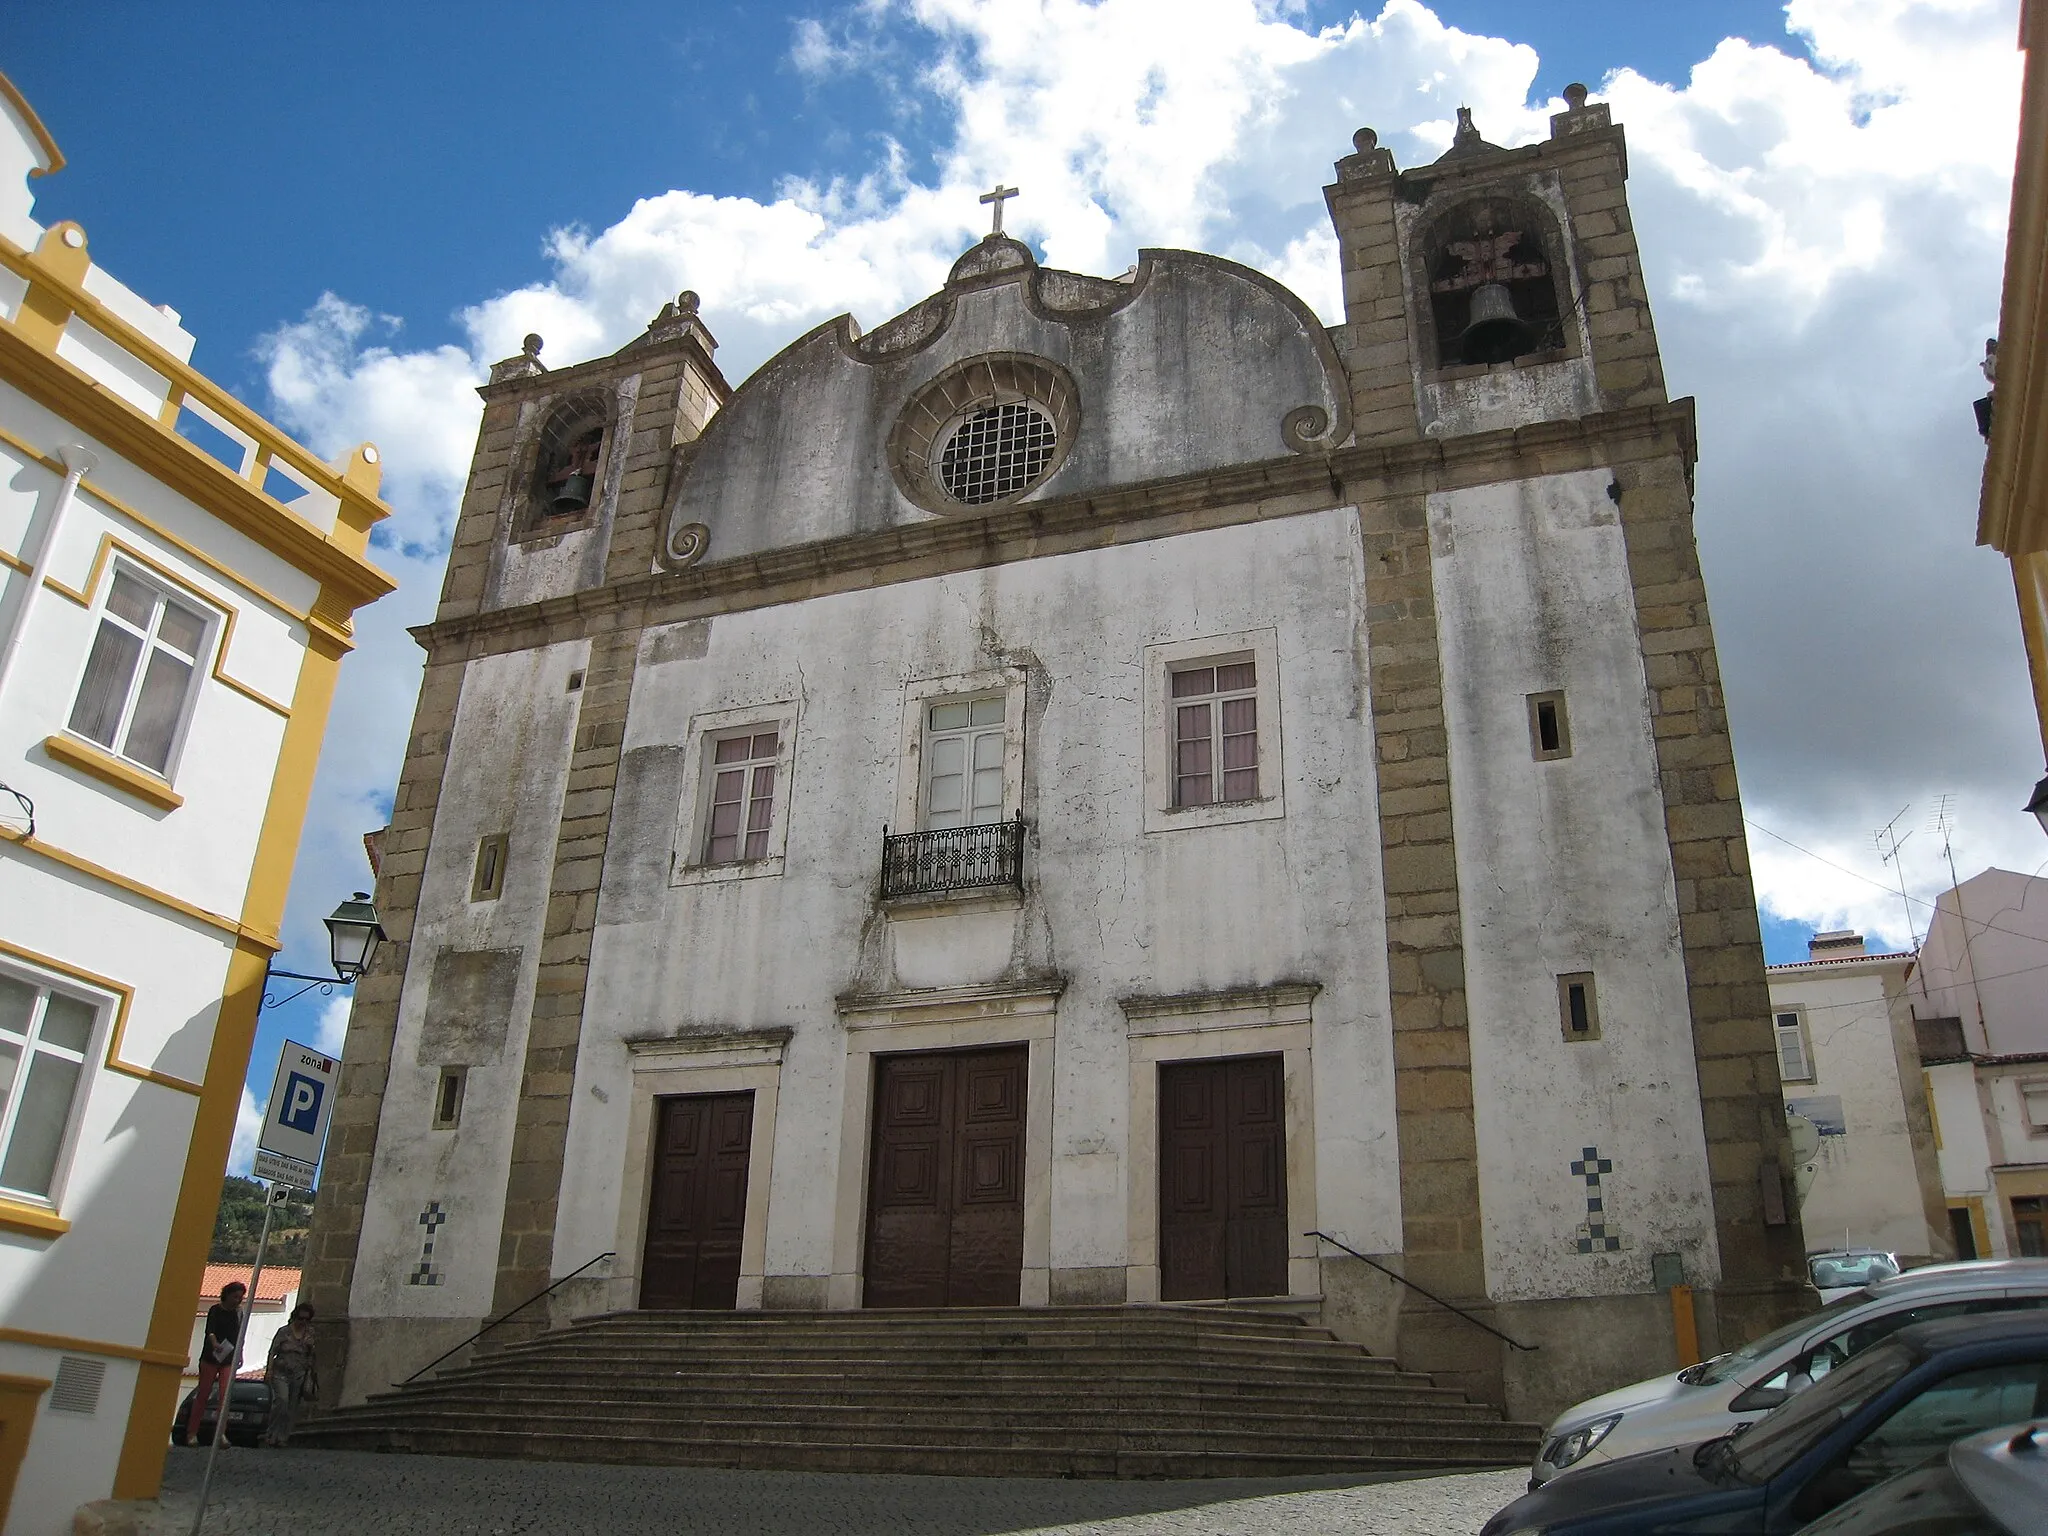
(248, 1126)
(1822, 239)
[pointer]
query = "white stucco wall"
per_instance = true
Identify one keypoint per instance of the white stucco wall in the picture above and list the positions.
(1563, 867)
(1114, 909)
(508, 769)
(1861, 1188)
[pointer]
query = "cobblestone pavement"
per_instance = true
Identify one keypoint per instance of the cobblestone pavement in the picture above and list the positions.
(357, 1493)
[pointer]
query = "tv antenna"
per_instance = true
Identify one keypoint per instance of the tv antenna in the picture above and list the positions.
(1888, 845)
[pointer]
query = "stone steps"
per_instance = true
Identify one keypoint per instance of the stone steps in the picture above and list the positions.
(1055, 1392)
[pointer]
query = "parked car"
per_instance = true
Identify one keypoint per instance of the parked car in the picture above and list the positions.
(1993, 1484)
(1891, 1409)
(1716, 1396)
(1837, 1272)
(248, 1413)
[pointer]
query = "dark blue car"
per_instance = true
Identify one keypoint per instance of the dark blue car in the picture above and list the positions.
(1888, 1410)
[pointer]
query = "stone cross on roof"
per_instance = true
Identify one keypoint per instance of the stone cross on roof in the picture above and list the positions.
(998, 196)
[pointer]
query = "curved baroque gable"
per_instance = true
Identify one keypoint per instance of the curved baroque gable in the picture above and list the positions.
(1191, 364)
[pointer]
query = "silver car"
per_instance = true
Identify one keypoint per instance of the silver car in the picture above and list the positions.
(1719, 1396)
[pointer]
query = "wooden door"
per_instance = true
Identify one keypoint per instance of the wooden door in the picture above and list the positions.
(697, 1210)
(1222, 1179)
(946, 1180)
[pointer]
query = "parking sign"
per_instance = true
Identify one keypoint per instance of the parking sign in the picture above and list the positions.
(295, 1125)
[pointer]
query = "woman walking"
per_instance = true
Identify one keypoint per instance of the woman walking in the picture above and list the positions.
(292, 1373)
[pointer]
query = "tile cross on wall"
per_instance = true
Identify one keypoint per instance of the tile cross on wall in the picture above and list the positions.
(424, 1273)
(1595, 1235)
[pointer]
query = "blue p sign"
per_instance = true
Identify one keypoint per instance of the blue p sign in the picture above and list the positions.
(301, 1104)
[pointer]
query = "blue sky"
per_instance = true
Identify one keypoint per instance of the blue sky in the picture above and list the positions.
(356, 209)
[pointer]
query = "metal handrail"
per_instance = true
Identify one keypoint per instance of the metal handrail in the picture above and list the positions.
(487, 1327)
(1449, 1305)
(977, 857)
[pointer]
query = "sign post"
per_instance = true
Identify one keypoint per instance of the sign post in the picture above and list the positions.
(288, 1155)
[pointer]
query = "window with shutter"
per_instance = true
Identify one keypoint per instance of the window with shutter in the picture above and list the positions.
(138, 685)
(1795, 1053)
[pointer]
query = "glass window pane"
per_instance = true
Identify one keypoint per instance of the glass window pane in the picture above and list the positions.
(949, 755)
(10, 1058)
(158, 709)
(181, 629)
(38, 1134)
(1194, 757)
(1192, 789)
(725, 817)
(1241, 784)
(987, 712)
(108, 671)
(734, 749)
(988, 794)
(947, 789)
(1240, 715)
(131, 599)
(17, 1005)
(950, 717)
(757, 845)
(67, 1022)
(1189, 685)
(765, 746)
(988, 750)
(1238, 675)
(1193, 722)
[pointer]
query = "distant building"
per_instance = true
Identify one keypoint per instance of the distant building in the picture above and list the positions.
(176, 583)
(1849, 1064)
(277, 1292)
(1980, 998)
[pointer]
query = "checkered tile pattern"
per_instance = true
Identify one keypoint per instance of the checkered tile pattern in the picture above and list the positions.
(424, 1273)
(1595, 1235)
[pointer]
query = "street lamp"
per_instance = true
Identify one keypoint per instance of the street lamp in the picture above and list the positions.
(2039, 804)
(353, 934)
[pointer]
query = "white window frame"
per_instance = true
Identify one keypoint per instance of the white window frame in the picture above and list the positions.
(1779, 1029)
(2031, 1089)
(1261, 647)
(202, 663)
(104, 1008)
(919, 695)
(706, 730)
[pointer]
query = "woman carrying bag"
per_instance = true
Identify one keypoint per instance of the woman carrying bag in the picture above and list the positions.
(292, 1373)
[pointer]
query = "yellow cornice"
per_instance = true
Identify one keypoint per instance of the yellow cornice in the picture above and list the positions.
(51, 152)
(2013, 515)
(28, 359)
(74, 1346)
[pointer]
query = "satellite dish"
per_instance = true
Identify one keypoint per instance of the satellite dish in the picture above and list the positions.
(1805, 1138)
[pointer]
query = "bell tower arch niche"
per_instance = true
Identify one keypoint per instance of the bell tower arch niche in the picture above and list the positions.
(567, 478)
(1495, 287)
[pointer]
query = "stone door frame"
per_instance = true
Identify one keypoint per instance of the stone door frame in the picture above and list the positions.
(952, 1018)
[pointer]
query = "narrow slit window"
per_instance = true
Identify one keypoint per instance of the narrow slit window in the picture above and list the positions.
(1550, 732)
(1215, 734)
(448, 1097)
(489, 882)
(742, 797)
(1578, 1006)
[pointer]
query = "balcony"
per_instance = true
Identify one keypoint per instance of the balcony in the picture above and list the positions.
(953, 859)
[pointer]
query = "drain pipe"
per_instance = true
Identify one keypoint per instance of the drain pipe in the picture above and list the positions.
(79, 461)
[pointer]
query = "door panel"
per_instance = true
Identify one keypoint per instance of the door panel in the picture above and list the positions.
(1223, 1179)
(697, 1208)
(946, 1196)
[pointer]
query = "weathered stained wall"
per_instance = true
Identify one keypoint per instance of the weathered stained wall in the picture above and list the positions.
(1190, 366)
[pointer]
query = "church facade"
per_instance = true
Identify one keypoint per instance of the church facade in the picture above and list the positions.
(1093, 791)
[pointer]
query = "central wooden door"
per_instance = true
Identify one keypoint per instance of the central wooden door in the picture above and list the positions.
(946, 1188)
(697, 1210)
(1222, 1179)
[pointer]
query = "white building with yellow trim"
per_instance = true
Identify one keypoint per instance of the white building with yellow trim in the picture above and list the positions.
(179, 578)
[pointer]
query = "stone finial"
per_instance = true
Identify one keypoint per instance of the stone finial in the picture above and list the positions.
(525, 365)
(1367, 159)
(687, 302)
(1579, 115)
(679, 317)
(1467, 140)
(1468, 132)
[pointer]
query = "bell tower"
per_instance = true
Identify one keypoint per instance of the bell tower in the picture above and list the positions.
(1585, 1093)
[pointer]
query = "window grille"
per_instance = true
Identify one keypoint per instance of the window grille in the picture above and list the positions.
(997, 452)
(138, 675)
(44, 1037)
(1216, 734)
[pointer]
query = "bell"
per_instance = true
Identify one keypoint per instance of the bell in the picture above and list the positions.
(1496, 333)
(572, 493)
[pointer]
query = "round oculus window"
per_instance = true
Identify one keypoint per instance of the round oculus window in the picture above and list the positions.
(997, 452)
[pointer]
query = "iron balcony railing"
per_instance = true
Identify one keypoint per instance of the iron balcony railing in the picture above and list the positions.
(953, 859)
